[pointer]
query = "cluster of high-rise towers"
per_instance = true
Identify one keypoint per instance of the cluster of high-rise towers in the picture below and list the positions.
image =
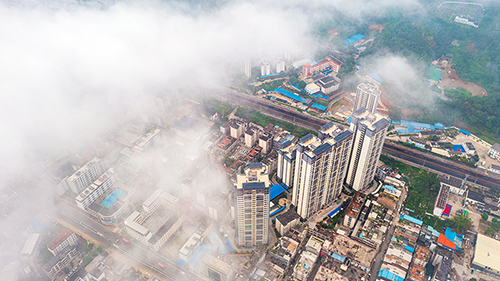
(316, 167)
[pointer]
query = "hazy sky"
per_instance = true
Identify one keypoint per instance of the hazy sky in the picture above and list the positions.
(69, 72)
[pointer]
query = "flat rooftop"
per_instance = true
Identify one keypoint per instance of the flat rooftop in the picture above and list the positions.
(487, 252)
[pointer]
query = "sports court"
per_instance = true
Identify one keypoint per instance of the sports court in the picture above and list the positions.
(111, 199)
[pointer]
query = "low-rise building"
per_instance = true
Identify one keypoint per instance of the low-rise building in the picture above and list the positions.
(31, 246)
(494, 151)
(60, 261)
(328, 84)
(494, 168)
(312, 88)
(63, 240)
(304, 266)
(487, 255)
(352, 211)
(215, 268)
(286, 221)
(266, 142)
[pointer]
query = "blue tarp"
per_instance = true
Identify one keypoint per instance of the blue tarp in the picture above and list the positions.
(418, 125)
(454, 237)
(464, 132)
(334, 212)
(289, 94)
(319, 106)
(353, 39)
(229, 244)
(409, 248)
(439, 126)
(270, 75)
(277, 211)
(411, 219)
(338, 257)
(390, 276)
(458, 147)
(389, 187)
(276, 190)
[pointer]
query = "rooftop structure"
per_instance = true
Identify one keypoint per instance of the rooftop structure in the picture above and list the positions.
(30, 246)
(329, 63)
(353, 39)
(352, 211)
(369, 131)
(487, 254)
(63, 240)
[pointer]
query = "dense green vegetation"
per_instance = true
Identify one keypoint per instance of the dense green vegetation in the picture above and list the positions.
(423, 190)
(263, 120)
(475, 54)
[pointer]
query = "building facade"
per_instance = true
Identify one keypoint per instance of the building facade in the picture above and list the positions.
(97, 189)
(320, 167)
(84, 177)
(252, 206)
(367, 96)
(369, 134)
(286, 162)
(63, 240)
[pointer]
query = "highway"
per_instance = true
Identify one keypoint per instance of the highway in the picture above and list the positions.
(415, 158)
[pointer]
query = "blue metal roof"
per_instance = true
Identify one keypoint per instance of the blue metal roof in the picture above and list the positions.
(409, 248)
(464, 132)
(353, 39)
(289, 94)
(389, 187)
(390, 276)
(334, 212)
(319, 106)
(411, 219)
(337, 257)
(276, 190)
(277, 211)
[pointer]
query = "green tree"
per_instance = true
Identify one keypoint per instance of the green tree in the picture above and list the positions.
(484, 216)
(294, 80)
(302, 84)
(66, 270)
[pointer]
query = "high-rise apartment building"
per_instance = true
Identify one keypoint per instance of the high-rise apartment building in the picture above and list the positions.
(286, 162)
(369, 134)
(252, 206)
(248, 68)
(320, 167)
(265, 68)
(84, 177)
(367, 96)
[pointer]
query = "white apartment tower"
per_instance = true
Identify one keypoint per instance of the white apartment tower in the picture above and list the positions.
(367, 96)
(280, 65)
(252, 206)
(265, 68)
(248, 68)
(84, 177)
(286, 162)
(320, 167)
(369, 134)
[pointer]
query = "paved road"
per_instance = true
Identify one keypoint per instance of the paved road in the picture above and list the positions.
(379, 258)
(105, 236)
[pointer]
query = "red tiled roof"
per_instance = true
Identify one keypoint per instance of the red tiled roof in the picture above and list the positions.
(61, 237)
